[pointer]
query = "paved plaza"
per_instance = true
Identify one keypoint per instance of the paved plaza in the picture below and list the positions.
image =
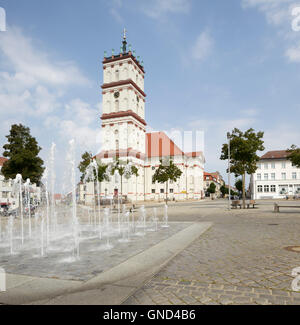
(208, 256)
(241, 259)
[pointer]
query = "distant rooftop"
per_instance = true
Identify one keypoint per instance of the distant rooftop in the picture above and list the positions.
(2, 161)
(276, 154)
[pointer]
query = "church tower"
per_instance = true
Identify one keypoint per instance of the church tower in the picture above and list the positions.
(123, 118)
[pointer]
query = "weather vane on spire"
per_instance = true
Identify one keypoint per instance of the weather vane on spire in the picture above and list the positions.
(124, 42)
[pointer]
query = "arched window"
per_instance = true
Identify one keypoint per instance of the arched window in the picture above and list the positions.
(125, 104)
(137, 78)
(117, 145)
(126, 76)
(116, 106)
(108, 77)
(108, 106)
(117, 75)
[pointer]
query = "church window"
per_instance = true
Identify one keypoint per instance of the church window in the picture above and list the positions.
(126, 73)
(108, 106)
(126, 104)
(117, 75)
(116, 106)
(108, 76)
(153, 191)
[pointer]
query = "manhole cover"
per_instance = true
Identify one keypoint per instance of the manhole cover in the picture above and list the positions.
(293, 249)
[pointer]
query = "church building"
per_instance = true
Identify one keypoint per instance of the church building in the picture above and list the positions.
(125, 137)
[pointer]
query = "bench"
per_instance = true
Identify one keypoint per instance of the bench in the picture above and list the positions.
(235, 204)
(277, 206)
(251, 202)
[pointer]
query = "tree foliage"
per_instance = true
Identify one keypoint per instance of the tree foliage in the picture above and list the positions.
(243, 153)
(224, 190)
(294, 155)
(87, 159)
(239, 185)
(167, 171)
(212, 188)
(22, 152)
(124, 169)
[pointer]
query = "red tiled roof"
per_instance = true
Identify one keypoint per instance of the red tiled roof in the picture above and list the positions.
(2, 160)
(210, 175)
(194, 154)
(277, 154)
(158, 144)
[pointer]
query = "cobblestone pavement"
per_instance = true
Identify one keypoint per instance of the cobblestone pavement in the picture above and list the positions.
(241, 260)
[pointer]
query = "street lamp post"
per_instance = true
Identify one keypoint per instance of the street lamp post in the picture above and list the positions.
(229, 187)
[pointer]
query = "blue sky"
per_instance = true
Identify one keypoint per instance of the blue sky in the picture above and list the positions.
(210, 65)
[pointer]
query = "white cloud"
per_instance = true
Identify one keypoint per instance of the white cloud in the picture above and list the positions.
(158, 8)
(36, 90)
(77, 121)
(115, 10)
(279, 14)
(293, 54)
(203, 46)
(276, 11)
(28, 61)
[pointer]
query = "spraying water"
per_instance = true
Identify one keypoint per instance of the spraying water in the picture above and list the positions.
(75, 223)
(52, 186)
(27, 187)
(165, 218)
(18, 187)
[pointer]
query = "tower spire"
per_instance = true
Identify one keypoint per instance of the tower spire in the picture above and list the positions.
(124, 41)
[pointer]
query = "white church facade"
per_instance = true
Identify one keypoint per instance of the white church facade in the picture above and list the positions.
(125, 138)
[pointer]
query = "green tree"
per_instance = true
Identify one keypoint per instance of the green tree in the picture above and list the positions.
(294, 155)
(239, 185)
(243, 157)
(22, 152)
(167, 171)
(87, 158)
(135, 171)
(125, 169)
(224, 190)
(212, 188)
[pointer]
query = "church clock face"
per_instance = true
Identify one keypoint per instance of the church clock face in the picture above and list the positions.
(116, 94)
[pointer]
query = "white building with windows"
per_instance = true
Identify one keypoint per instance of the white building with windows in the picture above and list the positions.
(6, 196)
(124, 137)
(275, 177)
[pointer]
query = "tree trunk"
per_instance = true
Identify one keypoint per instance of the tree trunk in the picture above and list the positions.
(121, 186)
(244, 193)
